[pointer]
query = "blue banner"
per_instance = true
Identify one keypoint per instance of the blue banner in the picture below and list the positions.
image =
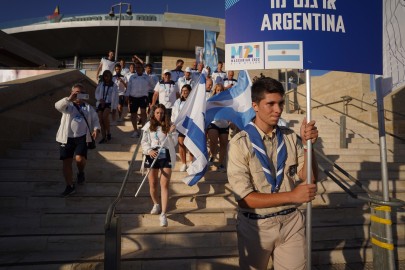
(210, 50)
(343, 35)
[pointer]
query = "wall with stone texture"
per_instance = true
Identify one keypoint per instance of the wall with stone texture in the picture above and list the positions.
(27, 106)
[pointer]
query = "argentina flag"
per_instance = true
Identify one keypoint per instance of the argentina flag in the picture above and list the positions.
(233, 105)
(191, 123)
(283, 54)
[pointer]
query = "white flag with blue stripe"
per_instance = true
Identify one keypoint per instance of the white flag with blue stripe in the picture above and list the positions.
(191, 123)
(283, 54)
(234, 104)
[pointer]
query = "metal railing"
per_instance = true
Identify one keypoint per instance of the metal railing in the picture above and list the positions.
(380, 216)
(112, 225)
(347, 115)
(369, 104)
(371, 197)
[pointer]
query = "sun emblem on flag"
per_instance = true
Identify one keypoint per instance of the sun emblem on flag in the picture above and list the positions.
(283, 52)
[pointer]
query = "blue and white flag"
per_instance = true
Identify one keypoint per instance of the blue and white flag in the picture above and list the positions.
(283, 54)
(191, 123)
(233, 105)
(210, 49)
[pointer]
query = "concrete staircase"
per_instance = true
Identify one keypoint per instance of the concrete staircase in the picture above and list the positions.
(41, 230)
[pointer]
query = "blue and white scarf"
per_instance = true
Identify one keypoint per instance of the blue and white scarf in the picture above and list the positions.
(260, 150)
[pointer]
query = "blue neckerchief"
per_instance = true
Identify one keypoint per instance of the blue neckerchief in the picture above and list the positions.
(260, 150)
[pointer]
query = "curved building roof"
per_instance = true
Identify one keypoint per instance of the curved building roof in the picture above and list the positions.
(96, 34)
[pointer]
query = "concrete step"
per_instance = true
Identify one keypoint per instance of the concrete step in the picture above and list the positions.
(169, 246)
(101, 202)
(183, 220)
(143, 204)
(42, 188)
(177, 187)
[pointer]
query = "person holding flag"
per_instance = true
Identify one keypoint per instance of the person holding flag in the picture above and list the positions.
(266, 169)
(157, 143)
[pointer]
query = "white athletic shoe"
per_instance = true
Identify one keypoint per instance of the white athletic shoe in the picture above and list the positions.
(183, 167)
(163, 220)
(155, 210)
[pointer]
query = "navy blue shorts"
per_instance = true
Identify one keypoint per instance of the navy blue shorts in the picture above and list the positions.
(220, 130)
(121, 100)
(74, 146)
(102, 107)
(160, 162)
(137, 102)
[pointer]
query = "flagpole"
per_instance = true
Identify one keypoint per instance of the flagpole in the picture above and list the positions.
(384, 171)
(309, 173)
(204, 61)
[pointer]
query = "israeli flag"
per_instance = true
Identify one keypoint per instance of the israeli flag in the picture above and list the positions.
(191, 123)
(234, 104)
(283, 54)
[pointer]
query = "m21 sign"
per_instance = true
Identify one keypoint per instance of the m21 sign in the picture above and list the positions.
(344, 35)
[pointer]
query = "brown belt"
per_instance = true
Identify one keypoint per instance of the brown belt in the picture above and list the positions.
(280, 213)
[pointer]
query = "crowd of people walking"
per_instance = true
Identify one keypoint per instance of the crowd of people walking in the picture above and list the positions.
(153, 104)
(265, 162)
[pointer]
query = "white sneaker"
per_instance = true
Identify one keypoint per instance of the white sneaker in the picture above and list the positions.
(155, 210)
(163, 220)
(135, 134)
(183, 167)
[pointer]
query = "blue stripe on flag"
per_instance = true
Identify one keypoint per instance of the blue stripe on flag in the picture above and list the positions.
(195, 134)
(284, 58)
(283, 47)
(197, 177)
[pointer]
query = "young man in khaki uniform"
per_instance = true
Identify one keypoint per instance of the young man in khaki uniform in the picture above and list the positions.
(267, 172)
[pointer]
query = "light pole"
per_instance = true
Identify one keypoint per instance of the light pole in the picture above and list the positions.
(129, 12)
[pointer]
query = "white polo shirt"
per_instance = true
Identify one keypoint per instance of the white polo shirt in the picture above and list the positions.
(107, 65)
(183, 80)
(232, 82)
(120, 86)
(167, 93)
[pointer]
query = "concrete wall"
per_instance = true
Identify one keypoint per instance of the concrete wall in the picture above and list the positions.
(27, 106)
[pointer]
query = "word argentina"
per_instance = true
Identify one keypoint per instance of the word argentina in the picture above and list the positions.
(303, 21)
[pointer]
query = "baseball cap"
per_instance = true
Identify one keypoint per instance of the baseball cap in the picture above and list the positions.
(188, 69)
(166, 71)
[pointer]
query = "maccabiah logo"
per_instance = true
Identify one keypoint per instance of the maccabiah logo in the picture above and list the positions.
(245, 53)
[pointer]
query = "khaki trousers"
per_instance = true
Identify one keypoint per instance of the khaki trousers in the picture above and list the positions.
(281, 237)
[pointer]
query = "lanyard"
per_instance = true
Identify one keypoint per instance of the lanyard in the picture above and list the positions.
(156, 137)
(167, 91)
(105, 93)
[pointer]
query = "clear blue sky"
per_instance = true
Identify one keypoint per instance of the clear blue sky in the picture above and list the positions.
(13, 10)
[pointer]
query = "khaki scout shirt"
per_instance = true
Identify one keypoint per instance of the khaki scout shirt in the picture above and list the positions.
(245, 172)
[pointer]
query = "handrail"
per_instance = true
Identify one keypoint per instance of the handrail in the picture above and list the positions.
(364, 123)
(111, 208)
(330, 103)
(372, 196)
(375, 106)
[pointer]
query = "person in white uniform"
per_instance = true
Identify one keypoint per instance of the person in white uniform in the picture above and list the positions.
(165, 92)
(105, 64)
